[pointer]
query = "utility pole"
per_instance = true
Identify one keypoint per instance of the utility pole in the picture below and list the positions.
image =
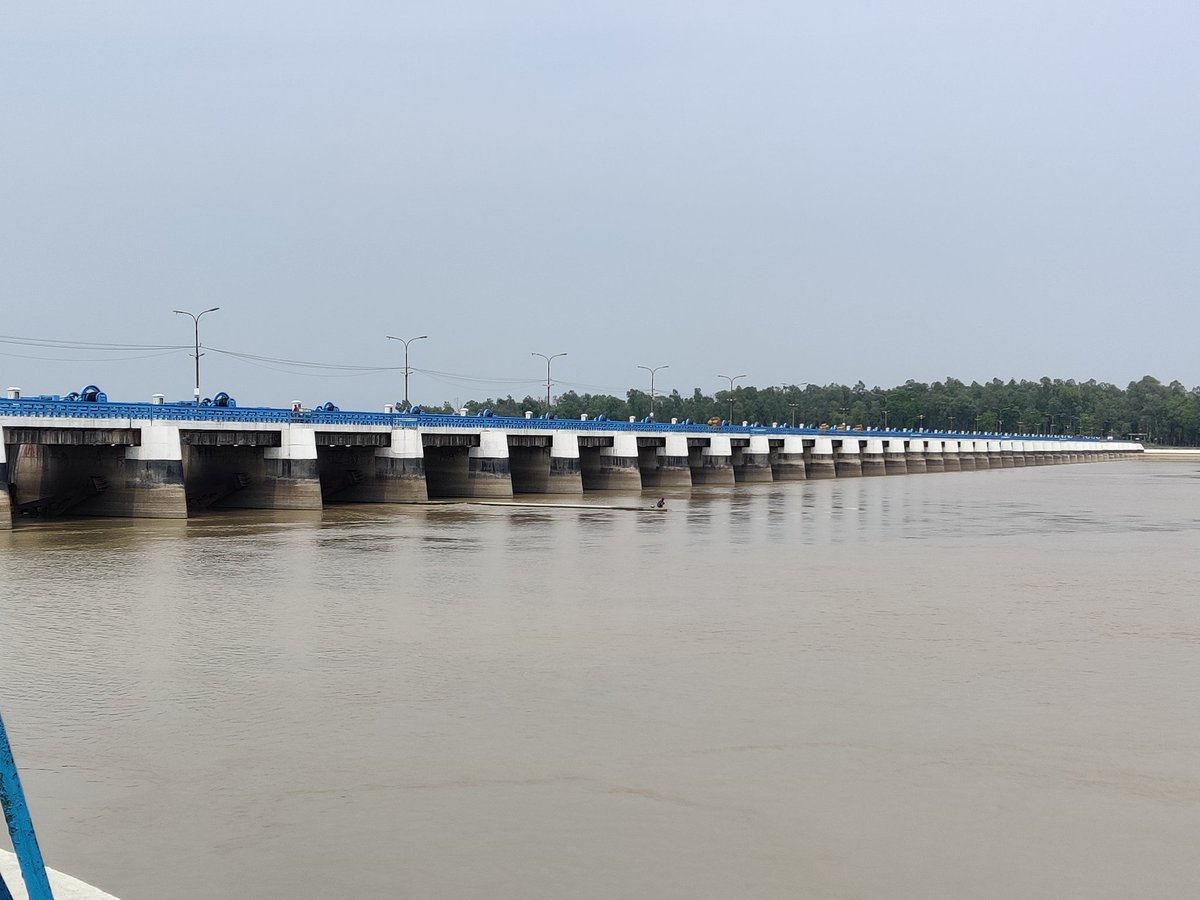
(196, 317)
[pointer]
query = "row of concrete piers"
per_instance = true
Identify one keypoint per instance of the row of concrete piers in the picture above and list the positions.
(163, 469)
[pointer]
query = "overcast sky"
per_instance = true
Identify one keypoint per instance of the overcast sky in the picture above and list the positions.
(796, 191)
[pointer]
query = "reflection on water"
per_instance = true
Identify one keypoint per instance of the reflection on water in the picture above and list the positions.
(967, 684)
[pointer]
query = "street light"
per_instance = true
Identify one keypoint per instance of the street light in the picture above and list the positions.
(196, 321)
(419, 337)
(793, 406)
(652, 370)
(548, 359)
(731, 379)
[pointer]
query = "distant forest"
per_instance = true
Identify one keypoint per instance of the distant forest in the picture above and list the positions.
(1167, 414)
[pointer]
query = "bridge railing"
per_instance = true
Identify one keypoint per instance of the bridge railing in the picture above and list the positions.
(57, 408)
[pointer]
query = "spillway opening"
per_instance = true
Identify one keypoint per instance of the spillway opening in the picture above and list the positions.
(447, 472)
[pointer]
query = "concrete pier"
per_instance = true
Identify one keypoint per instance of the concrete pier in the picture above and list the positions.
(752, 464)
(872, 457)
(1007, 460)
(982, 461)
(400, 469)
(995, 457)
(1018, 454)
(665, 464)
(489, 475)
(966, 456)
(894, 458)
(818, 459)
(5, 490)
(355, 469)
(934, 461)
(914, 456)
(950, 457)
(847, 459)
(711, 460)
(105, 471)
(565, 474)
(787, 464)
(610, 463)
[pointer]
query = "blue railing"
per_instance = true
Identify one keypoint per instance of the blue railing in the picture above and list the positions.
(20, 827)
(38, 407)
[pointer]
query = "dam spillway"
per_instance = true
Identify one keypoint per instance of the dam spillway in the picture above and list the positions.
(156, 460)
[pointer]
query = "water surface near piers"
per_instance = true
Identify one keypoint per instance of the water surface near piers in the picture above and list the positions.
(969, 684)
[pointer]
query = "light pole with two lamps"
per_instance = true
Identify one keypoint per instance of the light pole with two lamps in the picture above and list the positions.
(731, 379)
(548, 359)
(196, 317)
(652, 370)
(407, 370)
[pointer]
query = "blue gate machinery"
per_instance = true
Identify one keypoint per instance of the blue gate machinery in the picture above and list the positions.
(20, 827)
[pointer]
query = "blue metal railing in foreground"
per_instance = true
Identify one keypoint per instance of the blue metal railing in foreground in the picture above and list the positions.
(20, 827)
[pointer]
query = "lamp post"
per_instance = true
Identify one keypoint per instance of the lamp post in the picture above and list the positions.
(802, 384)
(652, 370)
(196, 317)
(731, 379)
(548, 359)
(419, 337)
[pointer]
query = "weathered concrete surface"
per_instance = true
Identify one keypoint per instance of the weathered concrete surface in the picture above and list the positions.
(950, 457)
(914, 456)
(610, 463)
(787, 463)
(447, 471)
(712, 464)
(529, 467)
(665, 465)
(847, 460)
(565, 475)
(390, 471)
(96, 481)
(934, 460)
(818, 459)
(873, 462)
(752, 464)
(255, 477)
(895, 460)
(489, 476)
(5, 500)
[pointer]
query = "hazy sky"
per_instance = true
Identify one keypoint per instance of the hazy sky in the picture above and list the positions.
(797, 191)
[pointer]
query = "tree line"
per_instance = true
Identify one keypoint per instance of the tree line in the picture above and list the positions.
(1151, 411)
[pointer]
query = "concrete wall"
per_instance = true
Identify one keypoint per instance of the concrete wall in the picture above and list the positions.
(787, 463)
(489, 475)
(665, 465)
(818, 459)
(752, 464)
(713, 464)
(613, 468)
(5, 499)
